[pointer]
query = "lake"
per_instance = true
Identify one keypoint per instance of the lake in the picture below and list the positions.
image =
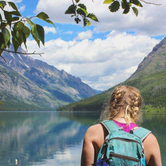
(55, 138)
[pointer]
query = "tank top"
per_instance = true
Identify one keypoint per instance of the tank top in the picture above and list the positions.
(125, 127)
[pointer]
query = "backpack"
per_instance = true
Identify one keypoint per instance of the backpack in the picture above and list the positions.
(121, 148)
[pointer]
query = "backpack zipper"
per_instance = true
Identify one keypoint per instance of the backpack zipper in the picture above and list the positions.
(123, 157)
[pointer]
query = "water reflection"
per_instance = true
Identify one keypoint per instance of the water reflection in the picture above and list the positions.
(34, 138)
(156, 123)
(54, 138)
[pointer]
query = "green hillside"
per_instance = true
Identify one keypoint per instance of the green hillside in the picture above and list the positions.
(152, 89)
(149, 78)
(20, 94)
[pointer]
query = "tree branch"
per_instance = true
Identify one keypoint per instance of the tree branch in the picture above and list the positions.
(3, 58)
(150, 3)
(26, 53)
(2, 74)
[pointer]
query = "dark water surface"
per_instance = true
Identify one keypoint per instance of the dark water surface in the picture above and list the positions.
(55, 138)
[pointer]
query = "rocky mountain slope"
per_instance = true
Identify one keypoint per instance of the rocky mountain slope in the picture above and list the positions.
(34, 85)
(153, 63)
(149, 78)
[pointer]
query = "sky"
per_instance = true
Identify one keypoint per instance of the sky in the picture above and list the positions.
(103, 54)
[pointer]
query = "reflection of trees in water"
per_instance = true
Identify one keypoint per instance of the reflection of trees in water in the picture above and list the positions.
(33, 137)
(87, 118)
(156, 123)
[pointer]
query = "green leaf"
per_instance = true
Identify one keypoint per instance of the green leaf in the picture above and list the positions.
(50, 22)
(25, 36)
(15, 44)
(2, 4)
(86, 22)
(20, 33)
(17, 13)
(15, 19)
(18, 25)
(23, 28)
(13, 5)
(135, 10)
(82, 6)
(37, 32)
(3, 25)
(124, 3)
(26, 31)
(0, 18)
(34, 31)
(127, 9)
(8, 16)
(114, 6)
(136, 2)
(2, 41)
(77, 1)
(108, 1)
(82, 11)
(93, 17)
(6, 35)
(43, 16)
(8, 44)
(17, 35)
(71, 9)
(29, 21)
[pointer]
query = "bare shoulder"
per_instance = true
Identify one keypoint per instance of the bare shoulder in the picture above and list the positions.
(152, 151)
(150, 140)
(94, 132)
(95, 129)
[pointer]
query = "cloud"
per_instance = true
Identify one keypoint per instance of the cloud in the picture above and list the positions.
(21, 9)
(68, 32)
(84, 35)
(150, 21)
(16, 1)
(49, 29)
(100, 63)
(55, 10)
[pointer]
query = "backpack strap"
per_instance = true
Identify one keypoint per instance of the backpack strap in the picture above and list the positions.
(141, 132)
(110, 125)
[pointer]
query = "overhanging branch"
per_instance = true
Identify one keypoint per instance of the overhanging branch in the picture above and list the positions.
(25, 53)
(150, 3)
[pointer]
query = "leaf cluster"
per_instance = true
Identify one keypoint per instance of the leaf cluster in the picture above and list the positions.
(13, 28)
(78, 11)
(114, 5)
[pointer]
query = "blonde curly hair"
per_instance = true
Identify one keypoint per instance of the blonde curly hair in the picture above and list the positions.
(125, 99)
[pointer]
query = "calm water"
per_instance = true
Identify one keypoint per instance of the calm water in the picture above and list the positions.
(55, 138)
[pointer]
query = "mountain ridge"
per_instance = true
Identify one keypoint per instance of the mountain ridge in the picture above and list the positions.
(154, 62)
(149, 79)
(55, 87)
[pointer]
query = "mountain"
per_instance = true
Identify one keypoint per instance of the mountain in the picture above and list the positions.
(31, 84)
(149, 78)
(155, 61)
(98, 91)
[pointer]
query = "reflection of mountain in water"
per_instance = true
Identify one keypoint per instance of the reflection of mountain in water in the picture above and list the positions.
(32, 137)
(53, 139)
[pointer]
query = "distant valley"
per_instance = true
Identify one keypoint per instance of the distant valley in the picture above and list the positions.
(31, 84)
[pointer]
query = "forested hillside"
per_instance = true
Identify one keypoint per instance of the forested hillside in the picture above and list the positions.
(149, 78)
